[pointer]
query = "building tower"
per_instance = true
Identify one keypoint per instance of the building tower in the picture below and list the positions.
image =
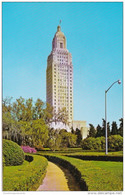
(59, 76)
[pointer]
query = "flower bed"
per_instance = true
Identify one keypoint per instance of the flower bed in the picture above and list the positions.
(28, 149)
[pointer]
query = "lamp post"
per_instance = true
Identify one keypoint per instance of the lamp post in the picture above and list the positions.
(106, 134)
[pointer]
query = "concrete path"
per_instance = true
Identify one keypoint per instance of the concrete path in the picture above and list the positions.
(54, 179)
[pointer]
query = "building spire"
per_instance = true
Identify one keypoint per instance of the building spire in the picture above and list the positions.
(59, 27)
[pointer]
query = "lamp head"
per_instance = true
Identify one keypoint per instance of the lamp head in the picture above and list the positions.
(119, 82)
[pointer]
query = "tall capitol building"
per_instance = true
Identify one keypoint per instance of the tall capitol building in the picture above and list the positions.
(59, 79)
(60, 75)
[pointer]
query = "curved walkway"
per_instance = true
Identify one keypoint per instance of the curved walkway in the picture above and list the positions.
(54, 180)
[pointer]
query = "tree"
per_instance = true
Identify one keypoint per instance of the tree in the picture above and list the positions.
(8, 123)
(60, 116)
(48, 114)
(67, 139)
(92, 131)
(108, 129)
(29, 110)
(39, 132)
(54, 139)
(63, 116)
(19, 109)
(24, 122)
(79, 136)
(38, 109)
(98, 131)
(6, 104)
(72, 130)
(114, 130)
(120, 130)
(104, 127)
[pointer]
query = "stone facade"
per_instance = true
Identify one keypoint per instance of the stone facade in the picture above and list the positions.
(59, 82)
(59, 76)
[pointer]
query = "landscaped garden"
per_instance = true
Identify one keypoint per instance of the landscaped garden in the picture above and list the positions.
(97, 175)
(20, 174)
(28, 143)
(91, 175)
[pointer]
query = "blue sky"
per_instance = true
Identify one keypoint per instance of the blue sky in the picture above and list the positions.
(94, 37)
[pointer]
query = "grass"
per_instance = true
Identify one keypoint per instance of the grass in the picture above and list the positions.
(25, 177)
(99, 175)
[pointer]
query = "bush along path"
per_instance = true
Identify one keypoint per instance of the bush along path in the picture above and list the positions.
(25, 177)
(93, 175)
(54, 180)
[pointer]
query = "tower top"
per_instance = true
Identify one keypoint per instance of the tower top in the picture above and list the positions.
(58, 28)
(59, 40)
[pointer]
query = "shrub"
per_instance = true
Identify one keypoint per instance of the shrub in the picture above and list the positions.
(92, 143)
(25, 177)
(3, 161)
(28, 149)
(115, 142)
(12, 153)
(102, 142)
(94, 175)
(88, 143)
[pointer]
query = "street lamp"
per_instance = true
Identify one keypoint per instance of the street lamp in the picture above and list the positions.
(106, 134)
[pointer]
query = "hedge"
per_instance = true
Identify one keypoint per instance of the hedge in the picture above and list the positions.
(93, 175)
(12, 152)
(98, 157)
(26, 177)
(3, 161)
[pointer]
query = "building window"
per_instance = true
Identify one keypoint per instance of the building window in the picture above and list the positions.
(61, 45)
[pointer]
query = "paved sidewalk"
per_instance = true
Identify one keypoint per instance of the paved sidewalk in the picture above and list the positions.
(54, 179)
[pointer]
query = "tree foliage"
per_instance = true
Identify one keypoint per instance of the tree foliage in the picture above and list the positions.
(79, 137)
(98, 131)
(115, 143)
(27, 123)
(120, 130)
(92, 131)
(114, 130)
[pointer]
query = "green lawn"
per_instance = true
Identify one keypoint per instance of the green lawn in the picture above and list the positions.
(25, 177)
(99, 175)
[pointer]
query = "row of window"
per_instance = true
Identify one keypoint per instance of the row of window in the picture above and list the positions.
(55, 65)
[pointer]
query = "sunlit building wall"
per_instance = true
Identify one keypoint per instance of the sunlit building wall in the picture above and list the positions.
(59, 76)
